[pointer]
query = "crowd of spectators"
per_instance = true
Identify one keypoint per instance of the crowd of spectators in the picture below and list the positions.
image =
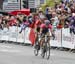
(62, 15)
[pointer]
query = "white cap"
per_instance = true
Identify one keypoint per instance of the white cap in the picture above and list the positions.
(73, 14)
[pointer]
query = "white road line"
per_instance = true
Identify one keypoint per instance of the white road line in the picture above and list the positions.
(11, 51)
(5, 46)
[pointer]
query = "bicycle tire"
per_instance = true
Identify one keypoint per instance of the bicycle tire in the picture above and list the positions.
(43, 51)
(43, 54)
(47, 51)
(36, 52)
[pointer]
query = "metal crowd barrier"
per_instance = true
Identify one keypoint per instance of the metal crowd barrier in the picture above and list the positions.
(63, 38)
(12, 35)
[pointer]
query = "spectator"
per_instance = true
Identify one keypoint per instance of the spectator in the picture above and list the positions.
(72, 24)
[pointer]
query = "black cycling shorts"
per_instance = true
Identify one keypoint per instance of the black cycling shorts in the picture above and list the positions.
(38, 29)
(45, 31)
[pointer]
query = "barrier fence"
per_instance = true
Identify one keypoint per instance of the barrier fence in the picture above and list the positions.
(63, 38)
(12, 34)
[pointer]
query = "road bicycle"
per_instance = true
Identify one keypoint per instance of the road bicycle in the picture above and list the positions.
(46, 47)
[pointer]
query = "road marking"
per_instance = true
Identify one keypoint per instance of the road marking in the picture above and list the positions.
(12, 51)
(5, 46)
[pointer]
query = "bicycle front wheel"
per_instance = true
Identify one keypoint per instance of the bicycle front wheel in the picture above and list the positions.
(47, 51)
(36, 52)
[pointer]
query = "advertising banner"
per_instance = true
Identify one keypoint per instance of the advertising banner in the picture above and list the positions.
(57, 41)
(68, 40)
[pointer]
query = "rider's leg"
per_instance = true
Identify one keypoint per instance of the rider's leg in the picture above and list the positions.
(36, 37)
(48, 39)
(42, 41)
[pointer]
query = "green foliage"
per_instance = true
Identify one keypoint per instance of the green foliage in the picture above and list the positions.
(49, 3)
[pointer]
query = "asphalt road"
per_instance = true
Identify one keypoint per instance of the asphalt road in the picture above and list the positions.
(18, 54)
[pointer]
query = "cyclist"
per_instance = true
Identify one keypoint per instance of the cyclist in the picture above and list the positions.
(37, 28)
(39, 20)
(45, 29)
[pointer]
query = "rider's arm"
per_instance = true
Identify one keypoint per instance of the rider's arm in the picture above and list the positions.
(50, 27)
(41, 27)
